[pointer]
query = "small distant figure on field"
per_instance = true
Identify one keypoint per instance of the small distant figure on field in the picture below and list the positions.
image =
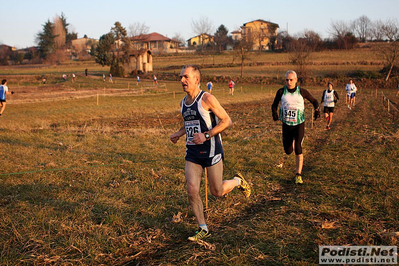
(138, 80)
(231, 87)
(204, 120)
(64, 77)
(44, 80)
(292, 114)
(210, 86)
(110, 78)
(329, 99)
(86, 72)
(3, 94)
(73, 77)
(104, 77)
(155, 80)
(350, 94)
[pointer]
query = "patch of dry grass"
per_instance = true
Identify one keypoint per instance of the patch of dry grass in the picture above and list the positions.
(88, 184)
(101, 184)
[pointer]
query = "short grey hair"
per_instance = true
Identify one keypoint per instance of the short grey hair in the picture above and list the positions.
(195, 69)
(291, 72)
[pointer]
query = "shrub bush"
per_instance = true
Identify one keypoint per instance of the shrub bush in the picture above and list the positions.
(364, 74)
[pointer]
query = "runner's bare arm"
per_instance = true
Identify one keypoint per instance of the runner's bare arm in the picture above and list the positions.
(209, 102)
(175, 136)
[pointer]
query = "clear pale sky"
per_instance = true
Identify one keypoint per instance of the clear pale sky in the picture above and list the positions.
(21, 20)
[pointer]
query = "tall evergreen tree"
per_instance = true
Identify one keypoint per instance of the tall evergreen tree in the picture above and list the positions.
(103, 51)
(45, 40)
(113, 49)
(221, 38)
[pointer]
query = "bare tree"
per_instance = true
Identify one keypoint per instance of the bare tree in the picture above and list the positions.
(242, 51)
(338, 29)
(376, 30)
(202, 26)
(300, 55)
(362, 28)
(312, 39)
(283, 39)
(179, 38)
(342, 33)
(391, 30)
(138, 29)
(133, 45)
(390, 50)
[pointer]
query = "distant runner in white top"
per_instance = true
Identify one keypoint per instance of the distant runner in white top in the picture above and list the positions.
(3, 94)
(329, 99)
(350, 94)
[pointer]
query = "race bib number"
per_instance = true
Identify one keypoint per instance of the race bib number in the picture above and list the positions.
(290, 115)
(191, 128)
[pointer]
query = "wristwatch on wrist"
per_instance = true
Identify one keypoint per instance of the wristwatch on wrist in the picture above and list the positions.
(207, 136)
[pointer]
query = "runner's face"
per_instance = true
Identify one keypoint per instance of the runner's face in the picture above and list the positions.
(188, 79)
(291, 81)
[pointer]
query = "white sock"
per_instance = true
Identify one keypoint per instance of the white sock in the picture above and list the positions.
(238, 180)
(204, 227)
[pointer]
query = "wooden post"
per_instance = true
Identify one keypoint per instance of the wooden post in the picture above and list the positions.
(311, 115)
(206, 190)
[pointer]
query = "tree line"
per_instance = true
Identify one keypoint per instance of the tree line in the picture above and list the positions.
(346, 35)
(114, 47)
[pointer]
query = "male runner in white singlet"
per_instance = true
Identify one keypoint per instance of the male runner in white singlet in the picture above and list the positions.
(292, 114)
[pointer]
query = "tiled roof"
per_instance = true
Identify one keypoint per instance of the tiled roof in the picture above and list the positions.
(151, 37)
(261, 21)
(205, 35)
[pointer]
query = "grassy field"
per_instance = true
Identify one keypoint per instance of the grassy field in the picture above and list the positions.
(92, 178)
